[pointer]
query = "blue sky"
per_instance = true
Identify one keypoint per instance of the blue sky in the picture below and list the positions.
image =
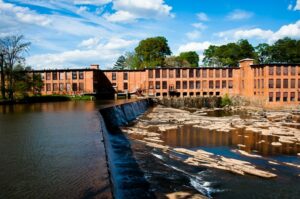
(77, 33)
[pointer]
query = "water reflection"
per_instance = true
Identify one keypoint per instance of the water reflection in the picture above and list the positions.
(189, 137)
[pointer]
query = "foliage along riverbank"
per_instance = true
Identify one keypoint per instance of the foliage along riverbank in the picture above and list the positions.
(47, 98)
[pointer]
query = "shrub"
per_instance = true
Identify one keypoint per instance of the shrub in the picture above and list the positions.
(226, 101)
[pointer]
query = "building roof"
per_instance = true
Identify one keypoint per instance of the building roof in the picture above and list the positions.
(273, 64)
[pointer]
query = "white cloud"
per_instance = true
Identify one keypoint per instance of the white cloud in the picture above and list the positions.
(194, 46)
(290, 7)
(297, 7)
(91, 2)
(202, 16)
(23, 14)
(199, 26)
(194, 35)
(82, 9)
(239, 15)
(290, 30)
(129, 10)
(94, 52)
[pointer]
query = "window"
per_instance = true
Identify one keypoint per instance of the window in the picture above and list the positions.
(125, 76)
(298, 96)
(224, 71)
(164, 85)
(278, 83)
(262, 83)
(211, 84)
(61, 76)
(74, 87)
(157, 84)
(48, 87)
(164, 73)
(55, 87)
(198, 85)
(258, 71)
(177, 84)
(171, 73)
(150, 74)
(271, 70)
(254, 83)
(204, 73)
(198, 73)
(204, 84)
(54, 75)
(211, 73)
(293, 83)
(258, 84)
(271, 97)
(271, 83)
(285, 96)
(157, 73)
(254, 72)
(230, 84)
(262, 71)
(218, 84)
(81, 75)
(292, 96)
(192, 85)
(61, 87)
(277, 96)
(217, 73)
(285, 70)
(230, 71)
(151, 85)
(48, 76)
(224, 84)
(42, 76)
(184, 84)
(184, 73)
(125, 86)
(74, 75)
(68, 75)
(113, 76)
(81, 87)
(298, 83)
(285, 83)
(293, 71)
(191, 73)
(278, 70)
(177, 73)
(68, 87)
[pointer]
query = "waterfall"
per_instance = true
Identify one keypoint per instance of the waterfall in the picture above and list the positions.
(127, 179)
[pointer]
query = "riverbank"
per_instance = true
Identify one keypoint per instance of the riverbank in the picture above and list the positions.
(47, 98)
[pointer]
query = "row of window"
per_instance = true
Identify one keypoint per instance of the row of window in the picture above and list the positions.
(282, 83)
(190, 94)
(278, 70)
(185, 73)
(63, 75)
(114, 76)
(284, 96)
(193, 84)
(65, 87)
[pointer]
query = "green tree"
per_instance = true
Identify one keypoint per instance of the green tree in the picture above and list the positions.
(152, 51)
(285, 51)
(263, 52)
(191, 57)
(2, 74)
(13, 48)
(132, 61)
(120, 64)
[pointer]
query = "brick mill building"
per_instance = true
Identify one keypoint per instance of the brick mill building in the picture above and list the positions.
(273, 85)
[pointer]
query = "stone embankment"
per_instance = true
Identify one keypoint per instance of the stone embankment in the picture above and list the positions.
(282, 126)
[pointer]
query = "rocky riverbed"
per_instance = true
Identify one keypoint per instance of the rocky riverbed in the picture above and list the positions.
(256, 133)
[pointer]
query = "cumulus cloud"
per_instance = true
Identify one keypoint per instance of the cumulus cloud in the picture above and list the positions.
(199, 26)
(130, 10)
(194, 46)
(239, 15)
(92, 51)
(23, 14)
(202, 16)
(290, 30)
(297, 7)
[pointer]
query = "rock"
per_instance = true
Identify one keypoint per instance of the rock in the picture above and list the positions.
(276, 144)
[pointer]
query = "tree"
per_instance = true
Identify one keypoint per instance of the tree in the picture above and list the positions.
(152, 51)
(132, 61)
(191, 57)
(285, 51)
(13, 48)
(263, 52)
(2, 75)
(120, 64)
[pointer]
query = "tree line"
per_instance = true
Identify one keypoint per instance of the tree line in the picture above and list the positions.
(155, 52)
(16, 82)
